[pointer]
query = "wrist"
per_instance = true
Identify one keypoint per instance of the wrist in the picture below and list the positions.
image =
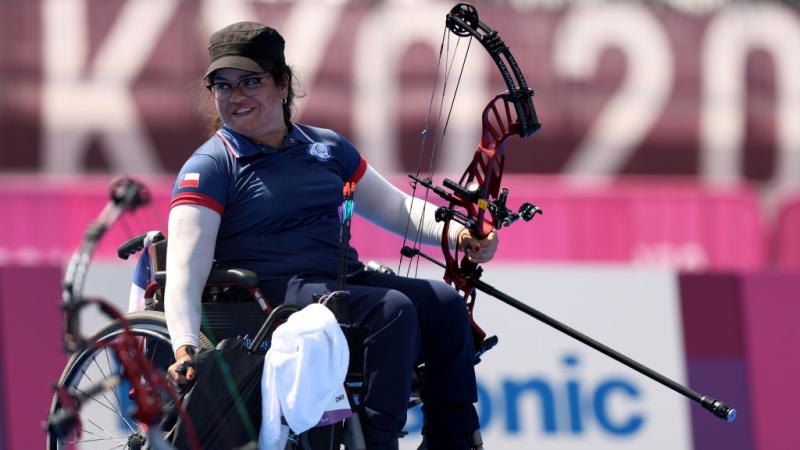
(184, 351)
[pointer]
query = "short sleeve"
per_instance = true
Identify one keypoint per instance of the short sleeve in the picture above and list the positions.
(202, 181)
(354, 164)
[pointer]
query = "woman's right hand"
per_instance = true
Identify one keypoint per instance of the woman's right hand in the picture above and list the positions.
(179, 372)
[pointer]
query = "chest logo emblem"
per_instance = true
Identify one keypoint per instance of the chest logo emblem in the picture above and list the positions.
(320, 151)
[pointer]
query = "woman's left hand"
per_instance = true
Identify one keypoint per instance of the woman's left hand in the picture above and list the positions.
(478, 250)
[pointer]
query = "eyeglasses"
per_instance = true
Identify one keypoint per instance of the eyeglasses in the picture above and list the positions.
(222, 90)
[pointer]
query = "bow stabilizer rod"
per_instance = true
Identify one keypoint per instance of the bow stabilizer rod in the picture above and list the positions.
(716, 407)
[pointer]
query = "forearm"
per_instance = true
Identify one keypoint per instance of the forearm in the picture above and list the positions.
(380, 202)
(192, 237)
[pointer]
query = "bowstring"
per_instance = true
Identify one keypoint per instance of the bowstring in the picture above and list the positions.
(438, 146)
(438, 142)
(423, 144)
(446, 123)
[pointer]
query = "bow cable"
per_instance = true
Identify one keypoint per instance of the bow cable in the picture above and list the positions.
(437, 142)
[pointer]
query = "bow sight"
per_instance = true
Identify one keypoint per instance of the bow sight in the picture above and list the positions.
(502, 216)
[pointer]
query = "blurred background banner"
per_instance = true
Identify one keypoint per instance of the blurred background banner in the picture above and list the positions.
(668, 169)
(705, 92)
(707, 88)
(665, 223)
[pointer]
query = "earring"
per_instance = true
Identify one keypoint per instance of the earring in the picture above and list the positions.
(284, 101)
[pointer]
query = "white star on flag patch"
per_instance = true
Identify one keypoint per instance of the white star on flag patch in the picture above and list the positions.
(190, 180)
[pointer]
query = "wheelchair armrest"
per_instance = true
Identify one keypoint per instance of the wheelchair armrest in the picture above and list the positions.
(221, 277)
(236, 277)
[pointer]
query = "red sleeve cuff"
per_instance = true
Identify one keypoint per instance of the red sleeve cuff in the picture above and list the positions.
(362, 167)
(193, 198)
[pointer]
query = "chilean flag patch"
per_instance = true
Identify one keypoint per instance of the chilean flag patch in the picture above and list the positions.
(190, 180)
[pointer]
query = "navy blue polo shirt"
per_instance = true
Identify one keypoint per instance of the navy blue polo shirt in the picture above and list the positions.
(279, 207)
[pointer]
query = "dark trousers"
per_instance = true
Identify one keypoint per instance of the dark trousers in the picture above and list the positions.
(406, 321)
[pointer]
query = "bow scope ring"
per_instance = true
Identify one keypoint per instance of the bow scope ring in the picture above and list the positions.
(468, 14)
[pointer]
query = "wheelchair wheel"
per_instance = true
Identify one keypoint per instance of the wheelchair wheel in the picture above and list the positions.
(104, 424)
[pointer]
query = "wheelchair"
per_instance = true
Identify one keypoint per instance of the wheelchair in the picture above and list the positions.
(233, 307)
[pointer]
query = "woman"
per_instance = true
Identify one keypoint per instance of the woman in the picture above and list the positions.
(262, 194)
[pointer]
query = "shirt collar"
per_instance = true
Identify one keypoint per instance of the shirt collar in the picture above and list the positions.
(296, 132)
(239, 145)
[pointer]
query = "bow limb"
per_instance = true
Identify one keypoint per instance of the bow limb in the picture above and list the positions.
(478, 193)
(463, 21)
(482, 181)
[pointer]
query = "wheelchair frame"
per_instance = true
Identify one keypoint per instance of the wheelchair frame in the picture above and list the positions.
(349, 432)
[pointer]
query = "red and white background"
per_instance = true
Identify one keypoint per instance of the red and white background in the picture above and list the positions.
(668, 169)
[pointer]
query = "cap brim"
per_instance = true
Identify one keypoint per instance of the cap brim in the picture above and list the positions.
(237, 62)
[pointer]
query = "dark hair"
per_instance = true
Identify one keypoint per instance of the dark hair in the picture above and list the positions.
(278, 74)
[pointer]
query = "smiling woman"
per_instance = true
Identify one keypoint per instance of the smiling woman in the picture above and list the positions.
(251, 104)
(267, 194)
(253, 96)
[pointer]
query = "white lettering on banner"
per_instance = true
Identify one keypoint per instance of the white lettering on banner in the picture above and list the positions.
(82, 97)
(731, 36)
(689, 6)
(688, 255)
(217, 14)
(307, 49)
(580, 40)
(379, 46)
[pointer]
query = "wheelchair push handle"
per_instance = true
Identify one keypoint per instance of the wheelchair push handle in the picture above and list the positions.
(138, 242)
(131, 246)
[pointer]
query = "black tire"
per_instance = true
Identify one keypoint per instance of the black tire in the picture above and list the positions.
(104, 427)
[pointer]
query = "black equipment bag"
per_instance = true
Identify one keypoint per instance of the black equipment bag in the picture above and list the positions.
(224, 402)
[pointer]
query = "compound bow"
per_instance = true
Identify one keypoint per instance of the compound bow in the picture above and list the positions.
(478, 202)
(147, 384)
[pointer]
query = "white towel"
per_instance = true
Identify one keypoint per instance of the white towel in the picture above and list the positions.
(304, 371)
